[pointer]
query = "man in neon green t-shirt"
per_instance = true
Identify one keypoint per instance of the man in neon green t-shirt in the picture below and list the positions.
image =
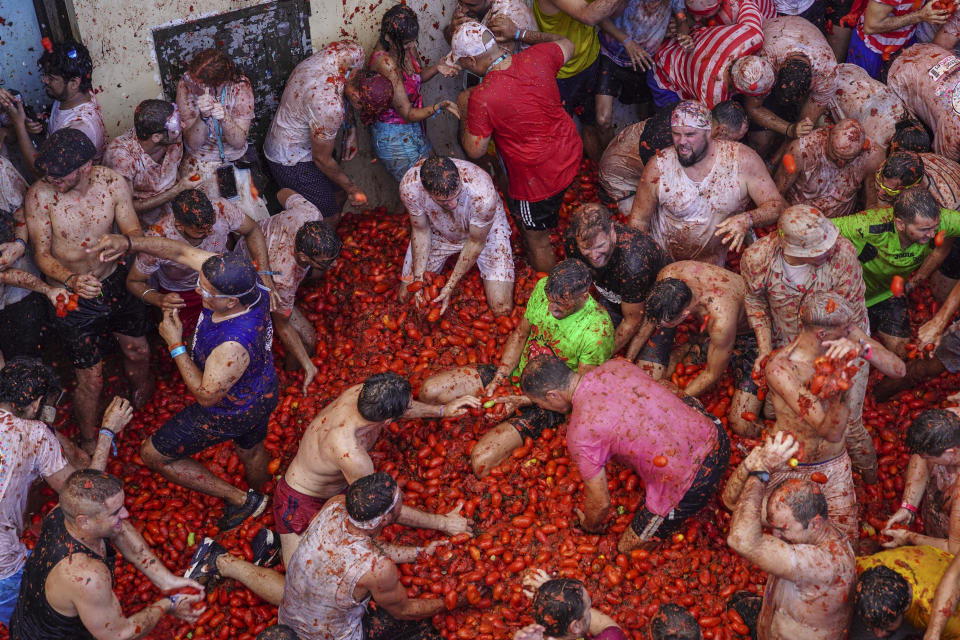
(561, 319)
(894, 242)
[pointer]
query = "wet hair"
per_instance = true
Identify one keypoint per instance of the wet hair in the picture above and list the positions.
(825, 309)
(910, 135)
(916, 203)
(193, 208)
(730, 114)
(86, 490)
(233, 275)
(277, 632)
(558, 604)
(793, 81)
(317, 240)
(667, 300)
(587, 221)
(439, 176)
(384, 396)
(673, 622)
(370, 496)
(568, 279)
(69, 60)
(905, 166)
(213, 68)
(544, 373)
(8, 226)
(933, 432)
(24, 380)
(398, 25)
(804, 499)
(883, 595)
(151, 117)
(656, 134)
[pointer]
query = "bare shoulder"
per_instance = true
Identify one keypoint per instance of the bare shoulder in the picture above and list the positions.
(81, 572)
(38, 195)
(748, 157)
(108, 177)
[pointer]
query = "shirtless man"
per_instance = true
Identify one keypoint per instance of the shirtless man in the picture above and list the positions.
(66, 212)
(334, 453)
(713, 296)
(812, 569)
(819, 423)
(932, 483)
(67, 588)
(832, 166)
(693, 197)
(920, 76)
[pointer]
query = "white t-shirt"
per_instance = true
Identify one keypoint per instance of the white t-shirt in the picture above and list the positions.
(84, 117)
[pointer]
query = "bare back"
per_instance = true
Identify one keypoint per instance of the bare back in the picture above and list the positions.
(333, 451)
(717, 292)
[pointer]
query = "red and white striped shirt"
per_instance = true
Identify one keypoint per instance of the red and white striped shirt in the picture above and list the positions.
(879, 42)
(698, 74)
(730, 10)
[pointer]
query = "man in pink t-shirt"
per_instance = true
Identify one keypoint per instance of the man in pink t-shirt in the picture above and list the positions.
(618, 411)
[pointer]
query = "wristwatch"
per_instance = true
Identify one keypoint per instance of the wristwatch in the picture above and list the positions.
(763, 476)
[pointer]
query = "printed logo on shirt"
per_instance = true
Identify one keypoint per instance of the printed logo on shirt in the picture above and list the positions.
(945, 67)
(609, 295)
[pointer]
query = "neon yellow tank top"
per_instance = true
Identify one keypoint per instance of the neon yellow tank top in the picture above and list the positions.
(583, 37)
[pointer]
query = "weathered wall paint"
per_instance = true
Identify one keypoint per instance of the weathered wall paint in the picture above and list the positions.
(19, 50)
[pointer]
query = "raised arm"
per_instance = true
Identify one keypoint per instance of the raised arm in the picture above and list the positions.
(111, 246)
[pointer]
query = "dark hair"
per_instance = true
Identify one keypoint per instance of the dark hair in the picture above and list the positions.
(384, 396)
(213, 68)
(151, 117)
(933, 432)
(370, 496)
(568, 279)
(23, 380)
(192, 207)
(277, 632)
(656, 134)
(910, 135)
(673, 622)
(439, 176)
(316, 239)
(905, 166)
(8, 226)
(730, 114)
(558, 604)
(233, 275)
(883, 595)
(804, 498)
(398, 24)
(69, 60)
(793, 81)
(667, 300)
(588, 220)
(544, 373)
(916, 203)
(86, 490)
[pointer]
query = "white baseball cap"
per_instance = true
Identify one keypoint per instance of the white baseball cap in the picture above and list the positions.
(471, 39)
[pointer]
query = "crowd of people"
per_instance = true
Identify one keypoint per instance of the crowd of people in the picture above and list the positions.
(793, 176)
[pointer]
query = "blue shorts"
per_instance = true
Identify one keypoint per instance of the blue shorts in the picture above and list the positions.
(9, 590)
(860, 54)
(196, 428)
(399, 146)
(661, 97)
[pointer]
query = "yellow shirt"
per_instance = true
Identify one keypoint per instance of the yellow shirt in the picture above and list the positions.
(922, 567)
(583, 37)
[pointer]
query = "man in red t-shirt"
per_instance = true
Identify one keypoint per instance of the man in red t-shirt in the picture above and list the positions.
(518, 105)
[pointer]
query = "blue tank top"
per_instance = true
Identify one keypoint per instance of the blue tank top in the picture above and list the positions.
(254, 331)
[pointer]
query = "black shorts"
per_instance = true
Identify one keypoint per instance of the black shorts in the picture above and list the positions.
(194, 428)
(837, 9)
(378, 624)
(702, 490)
(529, 421)
(950, 267)
(623, 83)
(115, 310)
(21, 325)
(817, 15)
(306, 179)
(743, 358)
(577, 93)
(892, 317)
(543, 215)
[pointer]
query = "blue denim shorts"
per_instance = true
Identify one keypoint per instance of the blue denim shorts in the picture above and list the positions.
(399, 146)
(9, 590)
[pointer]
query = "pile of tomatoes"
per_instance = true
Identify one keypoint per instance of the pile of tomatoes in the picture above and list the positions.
(524, 510)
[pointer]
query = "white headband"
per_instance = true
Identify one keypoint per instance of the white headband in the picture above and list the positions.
(369, 525)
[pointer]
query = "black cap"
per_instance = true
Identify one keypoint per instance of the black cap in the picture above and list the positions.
(65, 151)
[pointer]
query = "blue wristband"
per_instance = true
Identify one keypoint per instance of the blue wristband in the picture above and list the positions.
(516, 36)
(112, 439)
(178, 351)
(21, 241)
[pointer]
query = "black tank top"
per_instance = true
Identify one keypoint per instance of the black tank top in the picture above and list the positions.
(34, 618)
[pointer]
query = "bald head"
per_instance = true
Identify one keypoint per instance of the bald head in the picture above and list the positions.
(847, 139)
